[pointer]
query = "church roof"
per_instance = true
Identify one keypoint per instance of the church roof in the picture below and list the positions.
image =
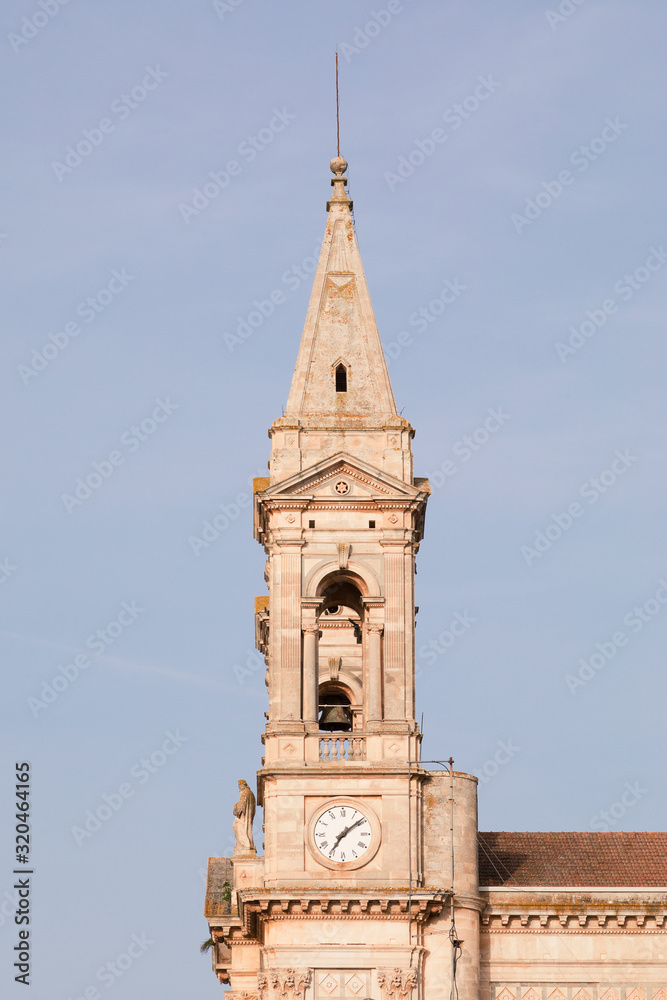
(573, 859)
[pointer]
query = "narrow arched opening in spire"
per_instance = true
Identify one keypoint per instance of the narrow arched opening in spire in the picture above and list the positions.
(341, 378)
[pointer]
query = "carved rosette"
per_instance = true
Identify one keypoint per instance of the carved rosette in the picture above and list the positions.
(289, 984)
(396, 984)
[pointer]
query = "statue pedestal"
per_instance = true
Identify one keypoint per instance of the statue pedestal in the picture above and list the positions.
(248, 871)
(243, 852)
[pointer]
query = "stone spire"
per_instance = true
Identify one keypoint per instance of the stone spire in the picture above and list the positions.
(340, 327)
(341, 383)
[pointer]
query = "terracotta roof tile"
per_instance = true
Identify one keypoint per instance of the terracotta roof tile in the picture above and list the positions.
(573, 859)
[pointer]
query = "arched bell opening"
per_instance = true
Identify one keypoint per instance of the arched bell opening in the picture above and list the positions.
(341, 653)
(341, 591)
(340, 656)
(335, 710)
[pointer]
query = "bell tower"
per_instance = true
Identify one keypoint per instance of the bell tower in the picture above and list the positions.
(357, 842)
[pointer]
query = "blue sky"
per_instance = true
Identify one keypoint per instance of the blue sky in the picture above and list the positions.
(507, 167)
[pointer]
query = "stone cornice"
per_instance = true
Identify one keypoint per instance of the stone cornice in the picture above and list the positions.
(324, 624)
(259, 905)
(324, 423)
(310, 502)
(351, 768)
(602, 920)
(356, 905)
(599, 890)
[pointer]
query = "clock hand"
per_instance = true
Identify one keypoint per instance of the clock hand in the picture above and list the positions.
(349, 829)
(340, 836)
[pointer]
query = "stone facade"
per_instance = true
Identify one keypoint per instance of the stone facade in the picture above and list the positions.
(372, 884)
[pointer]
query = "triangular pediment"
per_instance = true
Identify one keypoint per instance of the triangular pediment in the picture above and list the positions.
(345, 477)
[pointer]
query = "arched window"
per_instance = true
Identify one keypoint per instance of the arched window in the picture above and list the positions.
(341, 378)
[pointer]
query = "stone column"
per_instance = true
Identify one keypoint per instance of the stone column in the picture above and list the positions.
(310, 672)
(374, 672)
(398, 631)
(288, 597)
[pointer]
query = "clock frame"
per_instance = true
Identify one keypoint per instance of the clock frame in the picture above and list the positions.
(362, 806)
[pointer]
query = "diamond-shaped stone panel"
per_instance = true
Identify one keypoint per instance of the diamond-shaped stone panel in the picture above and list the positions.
(531, 994)
(581, 995)
(354, 984)
(329, 985)
(505, 994)
(611, 995)
(559, 995)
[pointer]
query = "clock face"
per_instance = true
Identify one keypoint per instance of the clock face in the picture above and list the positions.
(342, 833)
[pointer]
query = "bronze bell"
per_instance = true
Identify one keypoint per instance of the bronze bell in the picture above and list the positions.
(335, 718)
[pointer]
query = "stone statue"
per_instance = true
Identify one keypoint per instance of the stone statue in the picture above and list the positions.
(244, 811)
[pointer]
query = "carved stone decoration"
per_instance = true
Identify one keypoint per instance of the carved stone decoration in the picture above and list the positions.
(396, 984)
(611, 994)
(531, 994)
(290, 984)
(329, 985)
(244, 811)
(334, 667)
(637, 994)
(262, 984)
(354, 984)
(506, 994)
(313, 482)
(581, 995)
(343, 554)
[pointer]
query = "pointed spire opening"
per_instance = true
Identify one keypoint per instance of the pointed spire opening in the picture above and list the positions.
(341, 378)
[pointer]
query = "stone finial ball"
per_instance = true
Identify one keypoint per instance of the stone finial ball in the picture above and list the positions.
(338, 166)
